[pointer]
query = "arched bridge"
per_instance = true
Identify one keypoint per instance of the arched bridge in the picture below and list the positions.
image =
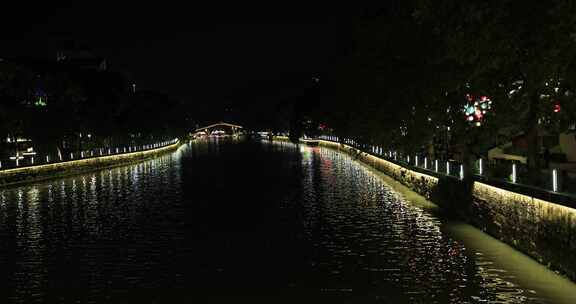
(219, 129)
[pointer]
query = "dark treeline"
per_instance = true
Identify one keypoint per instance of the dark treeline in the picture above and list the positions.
(469, 74)
(63, 107)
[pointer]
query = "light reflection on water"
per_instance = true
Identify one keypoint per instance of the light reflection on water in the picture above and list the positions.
(370, 230)
(54, 233)
(305, 221)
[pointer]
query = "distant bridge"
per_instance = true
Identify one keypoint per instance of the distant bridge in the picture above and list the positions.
(221, 126)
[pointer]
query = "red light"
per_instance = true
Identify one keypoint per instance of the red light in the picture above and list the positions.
(556, 108)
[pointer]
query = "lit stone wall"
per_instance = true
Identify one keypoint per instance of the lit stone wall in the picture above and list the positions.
(539, 228)
(543, 230)
(48, 171)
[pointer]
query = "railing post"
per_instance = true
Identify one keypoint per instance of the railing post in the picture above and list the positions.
(480, 167)
(555, 187)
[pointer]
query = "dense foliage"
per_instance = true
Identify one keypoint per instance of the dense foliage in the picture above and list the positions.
(417, 65)
(66, 109)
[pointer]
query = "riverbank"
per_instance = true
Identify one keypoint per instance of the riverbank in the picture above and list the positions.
(17, 176)
(541, 229)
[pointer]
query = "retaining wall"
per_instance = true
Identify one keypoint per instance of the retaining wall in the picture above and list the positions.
(61, 169)
(539, 228)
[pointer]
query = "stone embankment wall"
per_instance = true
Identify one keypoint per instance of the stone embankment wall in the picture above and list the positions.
(54, 170)
(542, 229)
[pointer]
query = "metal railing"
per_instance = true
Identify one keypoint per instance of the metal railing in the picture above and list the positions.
(514, 174)
(24, 159)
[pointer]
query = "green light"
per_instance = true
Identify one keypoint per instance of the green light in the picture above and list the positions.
(40, 102)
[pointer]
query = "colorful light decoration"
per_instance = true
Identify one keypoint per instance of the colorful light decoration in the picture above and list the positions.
(476, 108)
(40, 98)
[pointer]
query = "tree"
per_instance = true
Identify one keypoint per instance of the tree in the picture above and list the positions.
(513, 50)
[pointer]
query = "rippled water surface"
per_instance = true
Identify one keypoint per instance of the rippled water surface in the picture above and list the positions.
(230, 219)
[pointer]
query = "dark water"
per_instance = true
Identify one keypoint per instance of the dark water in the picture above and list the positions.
(237, 219)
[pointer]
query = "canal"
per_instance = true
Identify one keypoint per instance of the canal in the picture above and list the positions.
(272, 221)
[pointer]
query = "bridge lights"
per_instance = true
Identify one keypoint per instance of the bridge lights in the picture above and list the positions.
(554, 180)
(425, 163)
(514, 173)
(461, 172)
(447, 168)
(436, 165)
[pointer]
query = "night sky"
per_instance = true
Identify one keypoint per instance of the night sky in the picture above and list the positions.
(242, 57)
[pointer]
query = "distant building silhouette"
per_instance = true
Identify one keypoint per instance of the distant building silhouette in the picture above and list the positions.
(82, 57)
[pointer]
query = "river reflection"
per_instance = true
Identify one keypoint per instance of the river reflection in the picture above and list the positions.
(248, 219)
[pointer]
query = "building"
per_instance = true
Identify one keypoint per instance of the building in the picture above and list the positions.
(561, 149)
